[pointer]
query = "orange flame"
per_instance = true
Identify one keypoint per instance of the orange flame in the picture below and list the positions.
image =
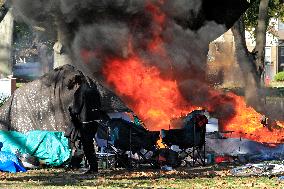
(247, 123)
(157, 100)
(159, 19)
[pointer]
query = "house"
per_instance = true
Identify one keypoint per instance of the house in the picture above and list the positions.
(223, 49)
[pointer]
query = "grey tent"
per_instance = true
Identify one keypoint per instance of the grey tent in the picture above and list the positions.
(43, 104)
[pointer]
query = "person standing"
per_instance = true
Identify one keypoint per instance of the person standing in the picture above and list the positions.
(85, 113)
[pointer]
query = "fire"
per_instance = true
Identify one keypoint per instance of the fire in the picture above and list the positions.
(154, 99)
(157, 100)
(159, 19)
(160, 143)
(246, 123)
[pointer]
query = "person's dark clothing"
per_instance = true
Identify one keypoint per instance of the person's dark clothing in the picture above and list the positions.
(87, 103)
(84, 115)
(89, 150)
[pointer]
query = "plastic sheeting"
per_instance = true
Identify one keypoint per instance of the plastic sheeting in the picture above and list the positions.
(10, 163)
(235, 147)
(43, 103)
(258, 169)
(12, 141)
(50, 148)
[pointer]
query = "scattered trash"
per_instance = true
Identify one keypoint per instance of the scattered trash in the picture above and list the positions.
(210, 158)
(175, 148)
(29, 161)
(223, 159)
(281, 178)
(258, 169)
(168, 157)
(252, 151)
(166, 168)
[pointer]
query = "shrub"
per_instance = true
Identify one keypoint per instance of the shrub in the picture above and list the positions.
(279, 76)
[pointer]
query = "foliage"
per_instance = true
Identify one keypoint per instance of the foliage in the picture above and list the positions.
(23, 41)
(279, 76)
(18, 85)
(27, 39)
(275, 10)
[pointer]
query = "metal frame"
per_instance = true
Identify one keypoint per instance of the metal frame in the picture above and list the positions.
(131, 163)
(195, 152)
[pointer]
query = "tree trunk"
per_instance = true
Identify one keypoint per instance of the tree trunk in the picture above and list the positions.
(61, 53)
(6, 41)
(247, 65)
(262, 23)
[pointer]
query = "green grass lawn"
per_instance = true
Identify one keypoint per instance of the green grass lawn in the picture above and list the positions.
(207, 177)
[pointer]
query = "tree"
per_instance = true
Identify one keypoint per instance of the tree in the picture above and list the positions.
(257, 21)
(275, 10)
(262, 24)
(246, 61)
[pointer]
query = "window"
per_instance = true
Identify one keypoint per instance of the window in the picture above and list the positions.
(282, 55)
(268, 55)
(281, 59)
(281, 51)
(280, 25)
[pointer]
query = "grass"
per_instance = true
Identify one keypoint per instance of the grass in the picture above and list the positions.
(207, 177)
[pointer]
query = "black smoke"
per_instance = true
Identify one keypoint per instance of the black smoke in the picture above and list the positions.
(104, 27)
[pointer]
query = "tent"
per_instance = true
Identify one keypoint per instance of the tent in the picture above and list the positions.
(35, 117)
(43, 104)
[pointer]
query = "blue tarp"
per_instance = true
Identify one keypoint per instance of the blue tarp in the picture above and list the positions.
(10, 163)
(49, 147)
